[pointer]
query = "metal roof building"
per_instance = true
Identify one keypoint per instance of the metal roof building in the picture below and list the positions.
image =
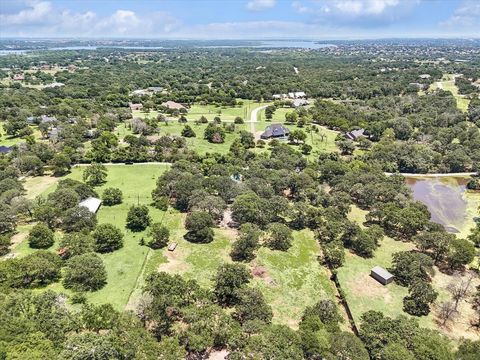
(91, 203)
(381, 275)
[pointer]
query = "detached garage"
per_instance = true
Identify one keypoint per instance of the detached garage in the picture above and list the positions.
(381, 275)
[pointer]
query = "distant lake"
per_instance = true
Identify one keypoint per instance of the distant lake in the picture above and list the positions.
(250, 44)
(448, 200)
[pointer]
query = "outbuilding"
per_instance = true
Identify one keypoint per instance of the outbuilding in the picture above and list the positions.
(172, 246)
(91, 203)
(381, 275)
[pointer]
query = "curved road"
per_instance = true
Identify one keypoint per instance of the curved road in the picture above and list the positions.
(463, 174)
(253, 117)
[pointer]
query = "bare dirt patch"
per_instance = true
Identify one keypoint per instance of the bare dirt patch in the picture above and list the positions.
(16, 239)
(367, 287)
(175, 264)
(38, 184)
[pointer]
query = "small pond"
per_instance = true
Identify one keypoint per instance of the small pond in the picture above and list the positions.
(448, 200)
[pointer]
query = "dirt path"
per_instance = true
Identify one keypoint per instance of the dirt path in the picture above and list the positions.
(38, 184)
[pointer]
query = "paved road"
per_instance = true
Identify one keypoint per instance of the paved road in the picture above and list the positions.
(464, 174)
(253, 117)
(123, 164)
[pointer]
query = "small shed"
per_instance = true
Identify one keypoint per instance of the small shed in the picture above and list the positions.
(172, 246)
(91, 203)
(381, 275)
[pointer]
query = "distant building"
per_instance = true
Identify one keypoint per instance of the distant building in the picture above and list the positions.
(172, 246)
(155, 89)
(18, 77)
(424, 76)
(47, 119)
(52, 134)
(275, 131)
(297, 95)
(139, 92)
(54, 85)
(136, 106)
(91, 203)
(173, 105)
(31, 120)
(381, 275)
(354, 134)
(300, 102)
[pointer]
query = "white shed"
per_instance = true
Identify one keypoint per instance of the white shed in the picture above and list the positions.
(91, 203)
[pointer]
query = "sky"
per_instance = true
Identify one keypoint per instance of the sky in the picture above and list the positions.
(240, 19)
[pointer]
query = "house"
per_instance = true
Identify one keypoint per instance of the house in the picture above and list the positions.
(172, 246)
(300, 102)
(155, 89)
(91, 203)
(381, 275)
(275, 131)
(47, 119)
(5, 149)
(52, 134)
(72, 67)
(173, 105)
(424, 76)
(354, 134)
(136, 106)
(18, 77)
(54, 85)
(297, 95)
(139, 92)
(31, 120)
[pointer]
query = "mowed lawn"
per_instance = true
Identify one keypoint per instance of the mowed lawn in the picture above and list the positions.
(124, 266)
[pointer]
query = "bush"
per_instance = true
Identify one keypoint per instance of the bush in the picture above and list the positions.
(40, 237)
(187, 131)
(112, 196)
(78, 218)
(279, 237)
(199, 226)
(85, 273)
(107, 238)
(138, 218)
(161, 202)
(238, 120)
(159, 236)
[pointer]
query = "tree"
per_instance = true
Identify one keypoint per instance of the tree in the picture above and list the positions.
(429, 344)
(247, 242)
(95, 174)
(247, 139)
(420, 295)
(346, 146)
(159, 235)
(327, 313)
(40, 237)
(252, 306)
(461, 252)
(238, 120)
(78, 218)
(112, 196)
(297, 136)
(188, 132)
(85, 272)
(459, 289)
(76, 243)
(214, 134)
(107, 238)
(279, 237)
(199, 226)
(138, 218)
(468, 350)
(64, 199)
(409, 266)
(435, 242)
(306, 149)
(230, 278)
(61, 164)
(334, 253)
(90, 346)
(446, 312)
(346, 346)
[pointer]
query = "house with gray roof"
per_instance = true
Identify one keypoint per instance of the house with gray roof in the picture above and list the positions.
(275, 131)
(354, 134)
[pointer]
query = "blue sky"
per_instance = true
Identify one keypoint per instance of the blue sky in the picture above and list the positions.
(240, 19)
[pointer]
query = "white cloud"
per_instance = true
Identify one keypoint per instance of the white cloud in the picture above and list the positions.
(357, 12)
(466, 16)
(37, 12)
(43, 19)
(259, 5)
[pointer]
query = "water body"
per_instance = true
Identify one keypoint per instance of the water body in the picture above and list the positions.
(448, 200)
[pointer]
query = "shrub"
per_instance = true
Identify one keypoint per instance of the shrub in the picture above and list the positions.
(40, 237)
(107, 238)
(138, 218)
(159, 235)
(85, 273)
(112, 196)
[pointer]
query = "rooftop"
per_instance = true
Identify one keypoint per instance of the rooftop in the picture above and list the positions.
(91, 203)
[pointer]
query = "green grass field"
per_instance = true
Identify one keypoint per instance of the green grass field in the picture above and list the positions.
(448, 84)
(124, 266)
